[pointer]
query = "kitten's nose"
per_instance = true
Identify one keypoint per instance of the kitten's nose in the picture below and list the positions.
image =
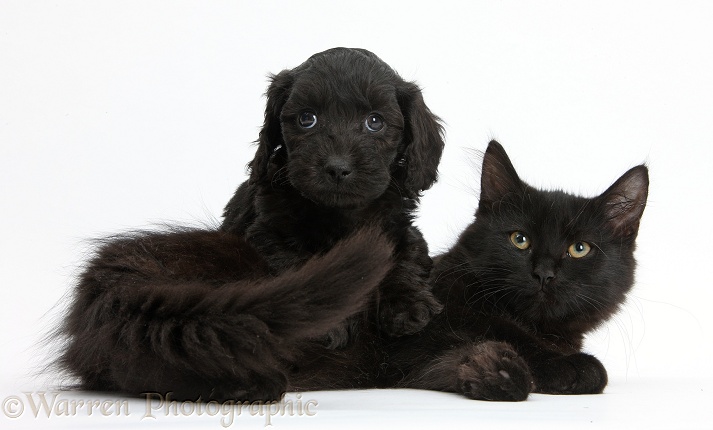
(544, 274)
(337, 168)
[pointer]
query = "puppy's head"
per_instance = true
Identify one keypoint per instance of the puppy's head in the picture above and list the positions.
(342, 127)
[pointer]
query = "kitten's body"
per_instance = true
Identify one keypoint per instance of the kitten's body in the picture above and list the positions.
(514, 319)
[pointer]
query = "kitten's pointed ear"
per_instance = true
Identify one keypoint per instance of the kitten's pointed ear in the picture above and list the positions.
(624, 202)
(499, 177)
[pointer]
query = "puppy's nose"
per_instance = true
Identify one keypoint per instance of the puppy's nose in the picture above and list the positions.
(337, 168)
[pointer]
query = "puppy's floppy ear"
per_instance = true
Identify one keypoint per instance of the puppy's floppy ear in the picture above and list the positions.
(423, 140)
(270, 137)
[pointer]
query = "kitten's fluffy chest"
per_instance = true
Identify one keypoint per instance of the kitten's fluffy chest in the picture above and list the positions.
(472, 305)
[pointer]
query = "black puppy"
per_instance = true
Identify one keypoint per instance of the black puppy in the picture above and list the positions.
(346, 143)
(321, 229)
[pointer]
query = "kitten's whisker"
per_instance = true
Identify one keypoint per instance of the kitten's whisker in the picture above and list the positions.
(599, 248)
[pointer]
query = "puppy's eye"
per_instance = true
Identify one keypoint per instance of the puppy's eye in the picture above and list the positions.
(520, 240)
(307, 119)
(579, 249)
(374, 122)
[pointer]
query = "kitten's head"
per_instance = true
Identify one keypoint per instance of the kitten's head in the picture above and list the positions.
(549, 257)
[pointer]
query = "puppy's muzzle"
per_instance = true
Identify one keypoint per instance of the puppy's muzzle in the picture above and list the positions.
(337, 169)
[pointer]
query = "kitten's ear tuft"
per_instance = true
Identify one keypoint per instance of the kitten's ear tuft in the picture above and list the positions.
(624, 202)
(499, 177)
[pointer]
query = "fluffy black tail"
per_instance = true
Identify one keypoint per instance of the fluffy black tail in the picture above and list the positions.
(196, 313)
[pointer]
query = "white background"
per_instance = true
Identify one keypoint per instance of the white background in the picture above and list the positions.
(122, 115)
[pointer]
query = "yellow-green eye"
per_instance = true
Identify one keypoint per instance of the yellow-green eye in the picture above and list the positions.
(578, 249)
(520, 240)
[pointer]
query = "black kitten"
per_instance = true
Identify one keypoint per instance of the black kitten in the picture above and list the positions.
(526, 280)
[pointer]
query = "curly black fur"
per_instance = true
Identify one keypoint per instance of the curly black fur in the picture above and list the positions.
(314, 246)
(310, 187)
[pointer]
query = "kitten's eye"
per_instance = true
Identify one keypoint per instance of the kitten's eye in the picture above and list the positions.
(520, 240)
(307, 119)
(579, 249)
(374, 122)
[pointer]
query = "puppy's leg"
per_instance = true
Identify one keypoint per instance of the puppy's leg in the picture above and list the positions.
(339, 336)
(407, 304)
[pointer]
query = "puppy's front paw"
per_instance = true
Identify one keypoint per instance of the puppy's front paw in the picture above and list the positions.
(339, 337)
(571, 374)
(408, 314)
(493, 371)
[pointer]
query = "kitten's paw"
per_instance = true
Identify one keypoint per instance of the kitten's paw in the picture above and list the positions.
(493, 371)
(408, 314)
(571, 374)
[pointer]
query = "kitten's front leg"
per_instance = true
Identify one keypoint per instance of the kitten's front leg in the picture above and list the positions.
(556, 369)
(406, 304)
(482, 371)
(578, 373)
